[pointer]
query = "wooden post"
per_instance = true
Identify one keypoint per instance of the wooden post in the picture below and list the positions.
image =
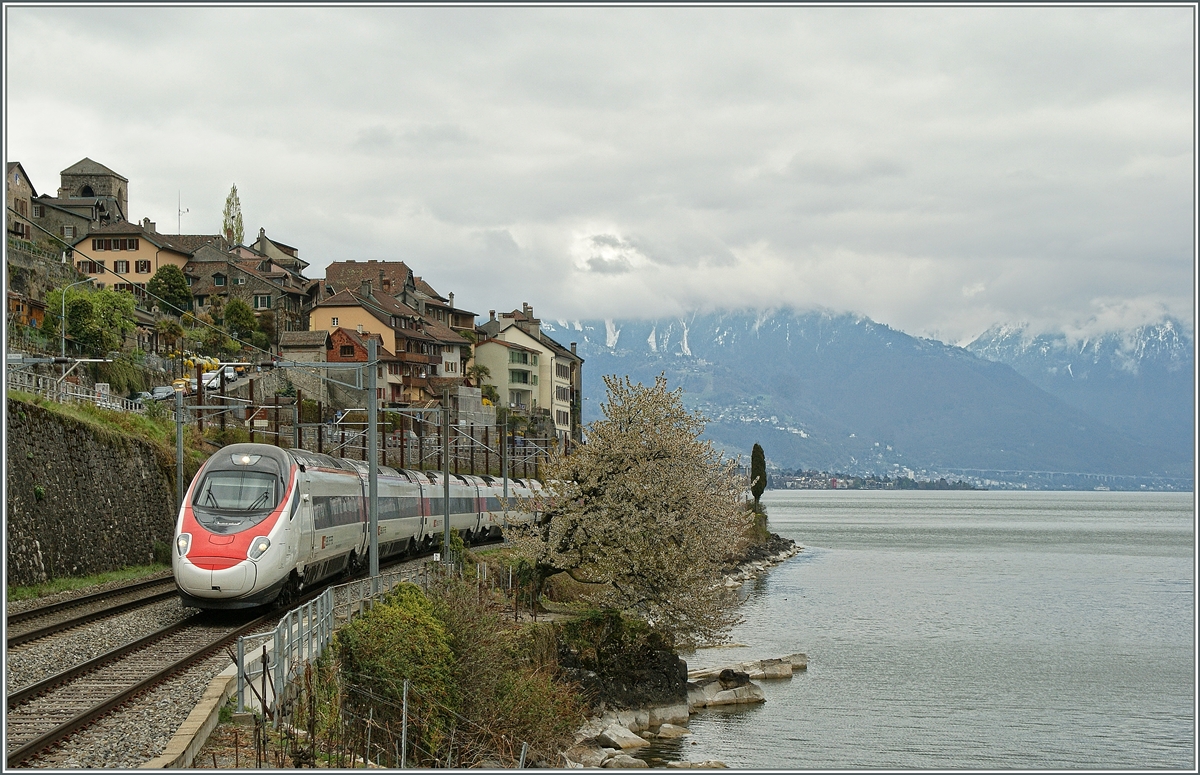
(487, 453)
(403, 440)
(250, 415)
(224, 403)
(296, 438)
(320, 426)
(275, 418)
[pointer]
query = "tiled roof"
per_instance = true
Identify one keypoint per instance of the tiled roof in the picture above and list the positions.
(427, 289)
(438, 384)
(86, 166)
(303, 338)
(350, 274)
(193, 242)
(443, 333)
(509, 345)
(361, 340)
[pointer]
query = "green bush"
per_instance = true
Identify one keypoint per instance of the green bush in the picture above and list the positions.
(401, 638)
(510, 696)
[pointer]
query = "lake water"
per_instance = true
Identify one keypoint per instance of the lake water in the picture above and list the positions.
(968, 630)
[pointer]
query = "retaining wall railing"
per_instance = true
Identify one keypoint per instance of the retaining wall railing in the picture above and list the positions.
(66, 392)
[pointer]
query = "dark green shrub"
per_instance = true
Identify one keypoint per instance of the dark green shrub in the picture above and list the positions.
(397, 639)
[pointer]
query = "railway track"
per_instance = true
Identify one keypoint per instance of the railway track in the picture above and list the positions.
(43, 621)
(44, 714)
(41, 715)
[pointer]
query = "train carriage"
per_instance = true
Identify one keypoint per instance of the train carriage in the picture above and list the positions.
(260, 523)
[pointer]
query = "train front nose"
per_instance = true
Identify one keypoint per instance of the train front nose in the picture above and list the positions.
(214, 577)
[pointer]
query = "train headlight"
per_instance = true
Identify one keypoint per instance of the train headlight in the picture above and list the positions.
(183, 543)
(259, 546)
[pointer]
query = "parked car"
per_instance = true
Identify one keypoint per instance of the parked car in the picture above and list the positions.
(162, 393)
(142, 397)
(230, 374)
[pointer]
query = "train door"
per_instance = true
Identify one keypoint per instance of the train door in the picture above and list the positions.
(303, 532)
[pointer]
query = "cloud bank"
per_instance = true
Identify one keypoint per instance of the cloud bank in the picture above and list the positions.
(938, 169)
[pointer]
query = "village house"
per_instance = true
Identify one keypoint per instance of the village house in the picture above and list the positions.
(396, 279)
(126, 255)
(350, 346)
(215, 277)
(402, 330)
(531, 372)
(19, 194)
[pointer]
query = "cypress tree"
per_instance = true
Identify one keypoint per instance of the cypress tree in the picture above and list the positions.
(758, 473)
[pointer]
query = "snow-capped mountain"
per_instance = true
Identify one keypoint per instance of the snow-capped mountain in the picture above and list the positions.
(842, 392)
(1140, 380)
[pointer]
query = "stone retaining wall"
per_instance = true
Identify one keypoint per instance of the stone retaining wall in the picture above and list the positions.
(81, 500)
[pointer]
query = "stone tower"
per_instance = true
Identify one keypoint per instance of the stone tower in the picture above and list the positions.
(86, 178)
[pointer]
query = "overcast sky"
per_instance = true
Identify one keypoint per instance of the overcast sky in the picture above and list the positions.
(937, 169)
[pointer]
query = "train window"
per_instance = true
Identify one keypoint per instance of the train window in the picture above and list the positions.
(232, 501)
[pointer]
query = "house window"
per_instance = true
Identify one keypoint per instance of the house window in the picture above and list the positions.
(333, 321)
(219, 279)
(515, 356)
(143, 267)
(534, 357)
(21, 207)
(561, 371)
(39, 211)
(262, 301)
(121, 267)
(535, 379)
(518, 377)
(67, 231)
(189, 279)
(200, 301)
(131, 243)
(239, 281)
(347, 351)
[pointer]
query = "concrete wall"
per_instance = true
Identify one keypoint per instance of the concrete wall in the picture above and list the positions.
(81, 500)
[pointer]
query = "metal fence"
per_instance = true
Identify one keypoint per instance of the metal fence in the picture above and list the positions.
(268, 664)
(67, 392)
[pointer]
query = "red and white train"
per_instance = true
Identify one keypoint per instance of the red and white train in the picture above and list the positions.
(260, 523)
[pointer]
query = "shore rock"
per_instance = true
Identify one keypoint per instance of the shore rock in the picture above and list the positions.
(620, 737)
(670, 731)
(624, 761)
(757, 669)
(669, 714)
(730, 687)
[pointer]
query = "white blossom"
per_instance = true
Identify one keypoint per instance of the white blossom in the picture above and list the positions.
(646, 515)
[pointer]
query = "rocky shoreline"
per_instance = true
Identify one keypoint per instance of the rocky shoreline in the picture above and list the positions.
(608, 739)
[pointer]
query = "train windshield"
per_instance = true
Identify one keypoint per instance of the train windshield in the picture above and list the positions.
(231, 501)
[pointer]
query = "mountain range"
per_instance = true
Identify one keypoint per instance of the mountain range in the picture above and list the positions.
(840, 392)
